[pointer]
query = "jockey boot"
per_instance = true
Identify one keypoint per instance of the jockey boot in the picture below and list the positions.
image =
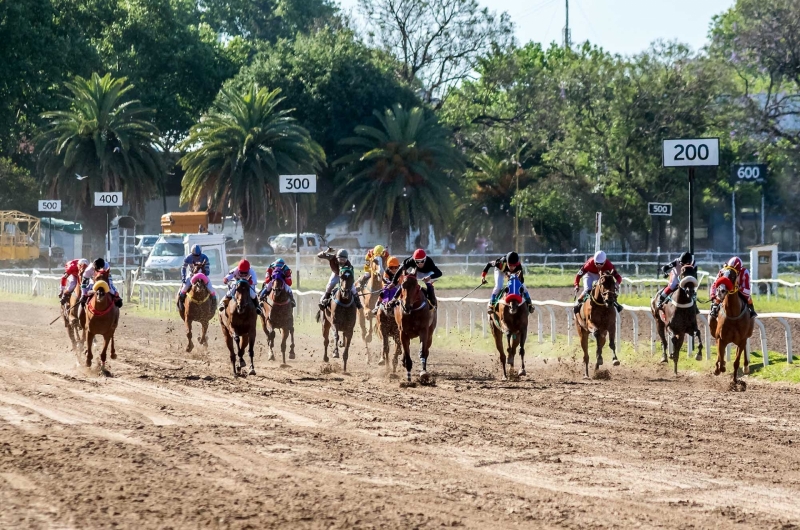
(213, 300)
(83, 300)
(117, 300)
(661, 299)
(577, 307)
(258, 307)
(528, 302)
(431, 294)
(377, 308)
(291, 299)
(618, 306)
(492, 302)
(182, 302)
(224, 303)
(752, 309)
(325, 300)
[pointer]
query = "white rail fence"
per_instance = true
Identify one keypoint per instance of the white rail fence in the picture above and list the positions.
(467, 315)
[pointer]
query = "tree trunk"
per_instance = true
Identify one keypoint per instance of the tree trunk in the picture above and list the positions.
(94, 230)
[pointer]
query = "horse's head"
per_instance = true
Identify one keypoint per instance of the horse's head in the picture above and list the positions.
(346, 280)
(607, 286)
(513, 297)
(242, 296)
(688, 280)
(199, 289)
(100, 289)
(409, 282)
(278, 280)
(726, 282)
(198, 267)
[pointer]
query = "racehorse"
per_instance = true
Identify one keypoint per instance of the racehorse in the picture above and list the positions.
(387, 328)
(733, 325)
(598, 318)
(678, 316)
(200, 307)
(69, 312)
(415, 319)
(371, 293)
(508, 320)
(278, 314)
(238, 322)
(341, 315)
(102, 317)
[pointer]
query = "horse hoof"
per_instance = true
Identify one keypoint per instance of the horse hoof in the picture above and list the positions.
(746, 370)
(522, 372)
(252, 371)
(716, 371)
(381, 362)
(698, 357)
(336, 355)
(291, 355)
(586, 376)
(616, 362)
(664, 358)
(271, 356)
(599, 361)
(113, 355)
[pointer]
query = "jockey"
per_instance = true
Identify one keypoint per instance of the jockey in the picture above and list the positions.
(194, 259)
(392, 265)
(101, 268)
(592, 269)
(742, 285)
(72, 273)
(241, 272)
(674, 270)
(336, 261)
(504, 267)
(426, 270)
(375, 256)
(266, 287)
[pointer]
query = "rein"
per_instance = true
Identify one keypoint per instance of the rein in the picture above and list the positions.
(97, 313)
(422, 305)
(725, 314)
(192, 300)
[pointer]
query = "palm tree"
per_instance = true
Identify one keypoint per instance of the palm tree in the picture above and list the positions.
(237, 151)
(402, 174)
(103, 142)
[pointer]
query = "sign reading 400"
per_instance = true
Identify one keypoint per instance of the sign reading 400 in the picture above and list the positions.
(108, 198)
(298, 184)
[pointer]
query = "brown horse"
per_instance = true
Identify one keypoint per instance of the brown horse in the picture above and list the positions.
(200, 307)
(415, 319)
(678, 316)
(341, 315)
(102, 317)
(507, 320)
(366, 320)
(238, 322)
(69, 313)
(598, 318)
(278, 314)
(733, 325)
(387, 329)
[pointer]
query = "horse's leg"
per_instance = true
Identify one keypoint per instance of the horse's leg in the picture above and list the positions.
(335, 342)
(204, 332)
(720, 366)
(252, 341)
(362, 324)
(612, 343)
(746, 369)
(188, 323)
(523, 335)
(406, 343)
(497, 335)
(423, 350)
(677, 344)
(662, 334)
(384, 334)
(601, 341)
(284, 336)
(291, 337)
(585, 346)
(113, 349)
(106, 342)
(326, 328)
(348, 338)
(699, 356)
(89, 341)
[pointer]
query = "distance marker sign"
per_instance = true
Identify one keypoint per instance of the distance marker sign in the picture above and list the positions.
(660, 208)
(749, 172)
(297, 184)
(691, 152)
(52, 205)
(108, 198)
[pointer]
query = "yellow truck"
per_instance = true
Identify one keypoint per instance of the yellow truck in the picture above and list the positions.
(19, 236)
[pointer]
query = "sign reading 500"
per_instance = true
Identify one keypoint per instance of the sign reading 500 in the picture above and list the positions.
(108, 198)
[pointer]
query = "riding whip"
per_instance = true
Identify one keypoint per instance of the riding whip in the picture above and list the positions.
(60, 316)
(472, 291)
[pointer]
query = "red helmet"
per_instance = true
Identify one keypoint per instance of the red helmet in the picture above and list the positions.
(735, 263)
(244, 266)
(419, 254)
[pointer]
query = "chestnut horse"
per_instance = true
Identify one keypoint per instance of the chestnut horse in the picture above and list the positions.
(366, 320)
(278, 314)
(733, 325)
(69, 313)
(415, 319)
(341, 315)
(598, 318)
(199, 307)
(387, 329)
(678, 315)
(102, 317)
(509, 321)
(238, 322)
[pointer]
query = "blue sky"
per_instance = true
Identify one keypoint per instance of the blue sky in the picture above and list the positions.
(619, 26)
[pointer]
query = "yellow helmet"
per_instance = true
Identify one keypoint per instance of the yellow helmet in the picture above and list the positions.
(100, 284)
(393, 262)
(378, 250)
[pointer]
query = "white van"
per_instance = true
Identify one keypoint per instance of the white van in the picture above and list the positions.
(309, 243)
(166, 258)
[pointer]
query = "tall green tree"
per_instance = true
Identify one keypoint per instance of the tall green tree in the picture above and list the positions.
(103, 141)
(403, 173)
(236, 152)
(20, 189)
(267, 20)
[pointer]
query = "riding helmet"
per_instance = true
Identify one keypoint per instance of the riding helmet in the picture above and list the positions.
(686, 258)
(512, 258)
(342, 254)
(419, 255)
(393, 262)
(196, 250)
(599, 257)
(279, 262)
(378, 250)
(736, 263)
(83, 262)
(99, 264)
(244, 266)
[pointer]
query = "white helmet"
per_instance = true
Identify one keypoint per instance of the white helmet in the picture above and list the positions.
(599, 257)
(84, 262)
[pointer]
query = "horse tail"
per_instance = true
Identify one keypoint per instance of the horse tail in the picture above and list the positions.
(318, 316)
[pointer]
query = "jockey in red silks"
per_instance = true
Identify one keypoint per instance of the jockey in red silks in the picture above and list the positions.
(241, 272)
(742, 286)
(592, 269)
(266, 287)
(73, 271)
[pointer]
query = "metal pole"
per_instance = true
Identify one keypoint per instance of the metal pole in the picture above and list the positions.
(297, 237)
(762, 215)
(108, 237)
(598, 221)
(733, 217)
(50, 244)
(691, 210)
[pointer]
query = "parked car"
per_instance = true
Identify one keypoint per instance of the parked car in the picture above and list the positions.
(236, 248)
(144, 244)
(310, 243)
(165, 259)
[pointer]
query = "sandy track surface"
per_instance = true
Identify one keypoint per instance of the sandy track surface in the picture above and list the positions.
(173, 441)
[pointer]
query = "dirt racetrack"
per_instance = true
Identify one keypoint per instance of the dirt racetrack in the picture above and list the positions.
(173, 441)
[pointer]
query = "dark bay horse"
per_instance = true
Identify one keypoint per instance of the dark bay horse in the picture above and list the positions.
(415, 319)
(238, 322)
(102, 317)
(678, 316)
(507, 320)
(69, 313)
(278, 314)
(733, 325)
(387, 328)
(200, 307)
(341, 315)
(598, 318)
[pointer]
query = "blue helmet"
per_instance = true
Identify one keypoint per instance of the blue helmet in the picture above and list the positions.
(280, 263)
(196, 250)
